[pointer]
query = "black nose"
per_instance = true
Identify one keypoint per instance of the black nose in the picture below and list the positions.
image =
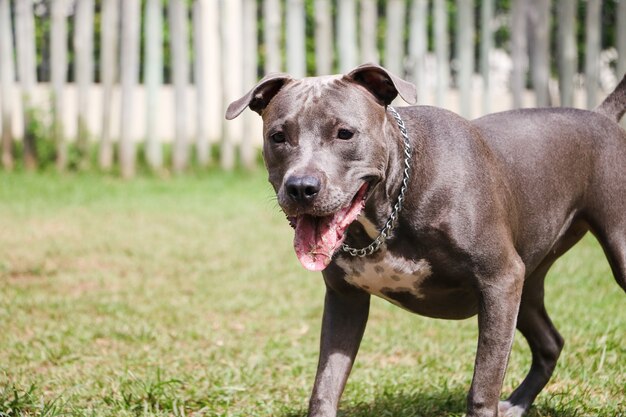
(303, 189)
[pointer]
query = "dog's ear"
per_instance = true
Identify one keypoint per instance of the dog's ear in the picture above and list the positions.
(382, 84)
(259, 96)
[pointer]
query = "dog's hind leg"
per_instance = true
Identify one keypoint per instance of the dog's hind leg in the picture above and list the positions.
(545, 344)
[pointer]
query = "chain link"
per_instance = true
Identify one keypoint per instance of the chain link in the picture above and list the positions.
(391, 222)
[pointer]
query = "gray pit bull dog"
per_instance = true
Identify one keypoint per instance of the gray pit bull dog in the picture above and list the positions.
(455, 217)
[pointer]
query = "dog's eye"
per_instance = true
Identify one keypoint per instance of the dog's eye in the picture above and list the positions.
(278, 137)
(344, 134)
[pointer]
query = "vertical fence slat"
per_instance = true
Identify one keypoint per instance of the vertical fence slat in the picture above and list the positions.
(7, 79)
(296, 60)
(58, 75)
(26, 64)
(272, 15)
(441, 50)
(465, 54)
(250, 77)
(518, 50)
(153, 79)
(215, 108)
(567, 50)
(346, 35)
(540, 50)
(486, 44)
(129, 74)
(232, 76)
(394, 39)
(83, 69)
(368, 32)
(417, 44)
(108, 73)
(592, 51)
(200, 62)
(180, 76)
(323, 37)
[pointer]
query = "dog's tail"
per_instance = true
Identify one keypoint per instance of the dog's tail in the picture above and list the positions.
(614, 106)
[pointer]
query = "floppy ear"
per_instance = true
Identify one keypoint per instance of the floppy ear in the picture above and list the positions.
(382, 84)
(259, 96)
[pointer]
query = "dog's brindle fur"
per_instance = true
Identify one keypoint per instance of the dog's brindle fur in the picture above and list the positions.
(491, 204)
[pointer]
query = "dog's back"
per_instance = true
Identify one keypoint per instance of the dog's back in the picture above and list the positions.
(562, 161)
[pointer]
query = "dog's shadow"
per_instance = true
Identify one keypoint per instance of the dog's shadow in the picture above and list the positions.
(444, 403)
(387, 403)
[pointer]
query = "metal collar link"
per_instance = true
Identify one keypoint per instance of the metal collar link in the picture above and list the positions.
(393, 218)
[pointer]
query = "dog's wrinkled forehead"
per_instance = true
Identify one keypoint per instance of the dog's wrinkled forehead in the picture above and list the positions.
(318, 99)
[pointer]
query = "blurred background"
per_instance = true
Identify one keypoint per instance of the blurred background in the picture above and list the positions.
(113, 84)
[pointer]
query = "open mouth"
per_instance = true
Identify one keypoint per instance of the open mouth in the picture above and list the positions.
(317, 238)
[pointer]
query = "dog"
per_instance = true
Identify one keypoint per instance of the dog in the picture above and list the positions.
(442, 216)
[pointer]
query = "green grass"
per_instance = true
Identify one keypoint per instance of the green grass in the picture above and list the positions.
(183, 296)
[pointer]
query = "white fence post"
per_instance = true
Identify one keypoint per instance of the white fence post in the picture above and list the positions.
(232, 76)
(465, 54)
(442, 51)
(323, 37)
(250, 77)
(394, 39)
(592, 51)
(26, 65)
(368, 32)
(153, 79)
(215, 108)
(129, 74)
(199, 72)
(539, 14)
(418, 45)
(58, 77)
(272, 21)
(486, 44)
(108, 73)
(567, 50)
(180, 76)
(519, 50)
(83, 69)
(7, 80)
(346, 35)
(295, 38)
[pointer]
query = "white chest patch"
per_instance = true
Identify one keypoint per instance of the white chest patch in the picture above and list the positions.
(385, 273)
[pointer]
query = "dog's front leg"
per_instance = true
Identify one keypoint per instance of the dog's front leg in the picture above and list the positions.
(343, 324)
(499, 301)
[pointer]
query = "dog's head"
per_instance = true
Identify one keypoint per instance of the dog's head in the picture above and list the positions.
(325, 148)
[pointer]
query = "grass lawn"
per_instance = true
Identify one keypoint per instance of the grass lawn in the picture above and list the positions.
(184, 297)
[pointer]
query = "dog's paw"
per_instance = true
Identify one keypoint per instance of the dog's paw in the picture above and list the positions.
(506, 409)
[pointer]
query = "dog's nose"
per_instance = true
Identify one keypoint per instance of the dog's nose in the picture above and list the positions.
(303, 189)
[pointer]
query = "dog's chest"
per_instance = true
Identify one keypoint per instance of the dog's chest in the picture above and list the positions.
(386, 273)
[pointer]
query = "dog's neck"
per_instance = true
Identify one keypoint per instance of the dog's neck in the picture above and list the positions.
(384, 196)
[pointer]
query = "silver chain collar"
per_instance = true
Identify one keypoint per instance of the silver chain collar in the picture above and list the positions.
(393, 218)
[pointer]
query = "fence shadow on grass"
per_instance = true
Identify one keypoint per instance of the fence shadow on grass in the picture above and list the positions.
(443, 403)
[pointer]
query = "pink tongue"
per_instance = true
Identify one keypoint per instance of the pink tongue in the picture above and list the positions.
(316, 240)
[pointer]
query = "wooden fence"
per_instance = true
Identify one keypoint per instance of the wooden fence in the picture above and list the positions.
(52, 60)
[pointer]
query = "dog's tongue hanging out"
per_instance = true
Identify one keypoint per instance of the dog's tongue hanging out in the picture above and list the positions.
(318, 238)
